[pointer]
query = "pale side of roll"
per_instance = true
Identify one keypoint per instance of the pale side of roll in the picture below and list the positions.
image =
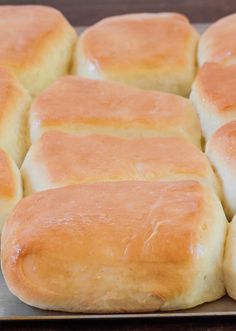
(230, 260)
(14, 106)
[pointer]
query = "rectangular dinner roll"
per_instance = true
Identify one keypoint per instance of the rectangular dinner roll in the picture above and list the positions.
(213, 95)
(218, 42)
(14, 105)
(150, 51)
(86, 106)
(36, 43)
(116, 247)
(60, 159)
(229, 266)
(10, 186)
(221, 150)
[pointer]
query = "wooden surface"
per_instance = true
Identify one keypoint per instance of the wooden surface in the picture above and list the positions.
(84, 12)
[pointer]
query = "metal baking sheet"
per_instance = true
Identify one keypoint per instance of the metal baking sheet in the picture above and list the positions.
(13, 309)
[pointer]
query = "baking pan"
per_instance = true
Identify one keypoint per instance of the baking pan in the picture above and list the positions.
(13, 309)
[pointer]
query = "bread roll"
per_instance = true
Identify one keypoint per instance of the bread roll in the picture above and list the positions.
(213, 95)
(60, 159)
(36, 43)
(85, 106)
(218, 42)
(14, 105)
(221, 150)
(116, 247)
(10, 186)
(149, 51)
(230, 260)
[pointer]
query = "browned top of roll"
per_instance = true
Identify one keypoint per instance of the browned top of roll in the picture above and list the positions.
(218, 43)
(72, 104)
(139, 42)
(25, 31)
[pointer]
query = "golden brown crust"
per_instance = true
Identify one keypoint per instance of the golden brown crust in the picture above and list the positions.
(149, 51)
(75, 104)
(161, 243)
(25, 32)
(59, 159)
(115, 43)
(217, 44)
(36, 44)
(216, 84)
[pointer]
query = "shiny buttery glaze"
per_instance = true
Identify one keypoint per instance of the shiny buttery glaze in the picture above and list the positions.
(118, 43)
(72, 101)
(62, 159)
